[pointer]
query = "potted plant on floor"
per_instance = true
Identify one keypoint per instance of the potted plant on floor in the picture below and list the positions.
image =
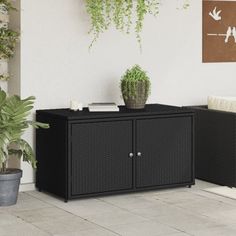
(13, 122)
(135, 87)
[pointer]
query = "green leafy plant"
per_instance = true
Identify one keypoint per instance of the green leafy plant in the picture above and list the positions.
(6, 6)
(13, 122)
(8, 37)
(119, 12)
(186, 4)
(8, 40)
(122, 14)
(131, 79)
(4, 77)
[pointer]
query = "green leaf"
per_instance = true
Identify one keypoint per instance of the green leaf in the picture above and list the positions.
(14, 112)
(38, 125)
(3, 96)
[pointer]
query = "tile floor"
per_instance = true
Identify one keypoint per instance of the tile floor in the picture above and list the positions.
(172, 212)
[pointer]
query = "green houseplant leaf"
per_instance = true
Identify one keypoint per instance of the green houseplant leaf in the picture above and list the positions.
(14, 113)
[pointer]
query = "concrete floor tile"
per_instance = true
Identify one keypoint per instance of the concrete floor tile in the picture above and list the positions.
(21, 229)
(184, 221)
(179, 197)
(156, 211)
(217, 231)
(80, 207)
(26, 202)
(174, 212)
(225, 217)
(43, 215)
(200, 184)
(215, 197)
(45, 197)
(91, 232)
(180, 234)
(128, 203)
(64, 225)
(206, 205)
(150, 228)
(89, 207)
(8, 219)
(115, 218)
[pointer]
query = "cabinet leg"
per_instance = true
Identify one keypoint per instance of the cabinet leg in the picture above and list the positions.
(65, 200)
(39, 189)
(189, 186)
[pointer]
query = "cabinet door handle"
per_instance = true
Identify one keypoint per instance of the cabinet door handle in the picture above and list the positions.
(131, 154)
(139, 154)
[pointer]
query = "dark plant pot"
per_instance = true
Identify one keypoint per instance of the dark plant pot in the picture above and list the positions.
(139, 101)
(9, 187)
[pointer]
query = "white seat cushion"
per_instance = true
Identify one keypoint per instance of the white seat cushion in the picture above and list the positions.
(222, 103)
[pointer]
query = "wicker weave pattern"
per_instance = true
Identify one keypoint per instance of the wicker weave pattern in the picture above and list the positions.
(100, 160)
(216, 146)
(92, 150)
(165, 158)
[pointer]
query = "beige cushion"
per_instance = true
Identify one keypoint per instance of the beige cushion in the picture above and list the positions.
(222, 103)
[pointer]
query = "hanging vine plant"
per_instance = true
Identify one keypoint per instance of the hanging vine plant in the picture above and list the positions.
(119, 12)
(6, 6)
(8, 38)
(122, 14)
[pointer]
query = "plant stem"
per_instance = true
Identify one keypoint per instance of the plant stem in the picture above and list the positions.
(4, 167)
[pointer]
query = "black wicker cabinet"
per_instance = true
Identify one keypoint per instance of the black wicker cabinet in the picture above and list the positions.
(87, 154)
(215, 146)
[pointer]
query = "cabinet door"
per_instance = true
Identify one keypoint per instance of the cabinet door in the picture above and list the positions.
(165, 145)
(100, 157)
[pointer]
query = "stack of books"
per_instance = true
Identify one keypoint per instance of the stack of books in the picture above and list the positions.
(103, 107)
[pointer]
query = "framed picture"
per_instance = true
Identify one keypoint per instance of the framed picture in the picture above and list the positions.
(219, 31)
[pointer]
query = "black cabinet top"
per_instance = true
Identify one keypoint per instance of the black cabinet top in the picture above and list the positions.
(150, 109)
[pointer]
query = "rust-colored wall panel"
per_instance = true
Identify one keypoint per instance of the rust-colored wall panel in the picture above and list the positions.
(219, 31)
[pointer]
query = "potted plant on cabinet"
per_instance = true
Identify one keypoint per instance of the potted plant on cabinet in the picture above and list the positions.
(13, 122)
(135, 87)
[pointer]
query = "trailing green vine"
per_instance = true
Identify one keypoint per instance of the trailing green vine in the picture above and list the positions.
(8, 39)
(122, 14)
(119, 12)
(186, 4)
(142, 10)
(6, 6)
(4, 77)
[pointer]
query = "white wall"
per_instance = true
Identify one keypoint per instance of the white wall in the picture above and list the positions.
(56, 65)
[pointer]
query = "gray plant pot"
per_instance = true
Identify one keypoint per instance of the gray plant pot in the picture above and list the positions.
(139, 101)
(9, 187)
